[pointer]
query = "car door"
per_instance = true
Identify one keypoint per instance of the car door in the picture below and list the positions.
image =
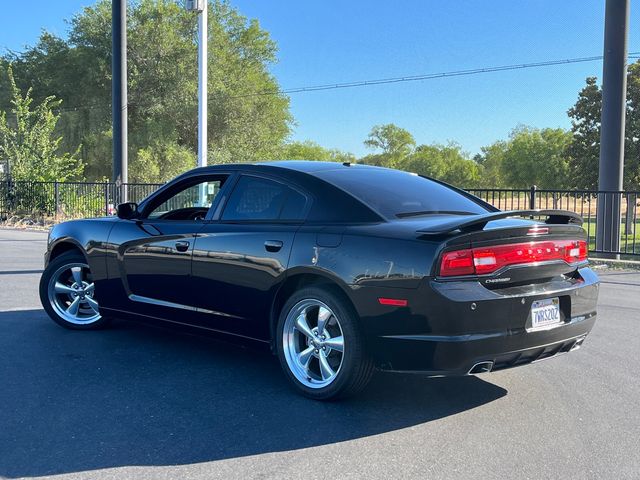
(153, 258)
(240, 258)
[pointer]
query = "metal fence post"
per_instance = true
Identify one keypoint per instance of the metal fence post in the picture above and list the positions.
(106, 199)
(630, 216)
(11, 200)
(532, 197)
(117, 192)
(56, 199)
(5, 200)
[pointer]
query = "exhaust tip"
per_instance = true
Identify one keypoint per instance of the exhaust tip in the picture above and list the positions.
(481, 367)
(578, 344)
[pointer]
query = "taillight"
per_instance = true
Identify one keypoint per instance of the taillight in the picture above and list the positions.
(455, 263)
(485, 260)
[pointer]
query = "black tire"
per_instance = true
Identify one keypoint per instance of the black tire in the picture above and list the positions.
(356, 368)
(67, 258)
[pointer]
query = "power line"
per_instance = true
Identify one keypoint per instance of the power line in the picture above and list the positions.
(430, 76)
(386, 81)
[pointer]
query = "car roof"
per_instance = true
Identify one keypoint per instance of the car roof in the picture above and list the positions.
(310, 166)
(303, 166)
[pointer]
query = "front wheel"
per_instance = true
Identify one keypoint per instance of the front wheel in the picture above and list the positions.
(320, 346)
(67, 293)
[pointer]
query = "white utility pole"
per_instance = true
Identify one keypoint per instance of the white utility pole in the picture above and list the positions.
(202, 83)
(201, 7)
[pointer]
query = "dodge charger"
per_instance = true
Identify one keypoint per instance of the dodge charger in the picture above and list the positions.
(340, 268)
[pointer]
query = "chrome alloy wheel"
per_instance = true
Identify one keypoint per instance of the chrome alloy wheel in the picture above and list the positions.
(71, 292)
(313, 343)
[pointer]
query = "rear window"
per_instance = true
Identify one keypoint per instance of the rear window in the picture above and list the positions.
(396, 194)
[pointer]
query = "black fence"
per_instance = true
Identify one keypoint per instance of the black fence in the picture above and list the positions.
(56, 201)
(589, 204)
(64, 200)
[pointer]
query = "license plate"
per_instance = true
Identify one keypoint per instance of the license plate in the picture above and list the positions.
(545, 313)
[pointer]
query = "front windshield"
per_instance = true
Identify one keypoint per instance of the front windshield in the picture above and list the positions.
(396, 194)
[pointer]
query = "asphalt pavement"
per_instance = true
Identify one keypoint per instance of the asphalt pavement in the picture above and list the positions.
(135, 401)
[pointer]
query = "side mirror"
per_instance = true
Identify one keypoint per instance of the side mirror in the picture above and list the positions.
(128, 210)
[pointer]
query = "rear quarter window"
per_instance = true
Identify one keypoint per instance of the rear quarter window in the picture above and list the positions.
(395, 194)
(261, 199)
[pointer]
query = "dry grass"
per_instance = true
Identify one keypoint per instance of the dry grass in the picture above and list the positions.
(34, 222)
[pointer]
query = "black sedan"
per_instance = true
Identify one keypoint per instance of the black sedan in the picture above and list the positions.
(341, 268)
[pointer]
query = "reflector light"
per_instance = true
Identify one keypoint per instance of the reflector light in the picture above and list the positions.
(396, 302)
(485, 260)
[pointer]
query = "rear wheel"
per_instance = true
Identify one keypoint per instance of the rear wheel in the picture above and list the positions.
(320, 346)
(67, 293)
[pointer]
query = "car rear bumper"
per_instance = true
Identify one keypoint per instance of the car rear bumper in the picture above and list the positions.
(448, 328)
(455, 355)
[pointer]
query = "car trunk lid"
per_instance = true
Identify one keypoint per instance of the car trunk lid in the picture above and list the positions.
(503, 249)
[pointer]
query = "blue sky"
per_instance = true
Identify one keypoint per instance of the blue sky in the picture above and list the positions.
(336, 41)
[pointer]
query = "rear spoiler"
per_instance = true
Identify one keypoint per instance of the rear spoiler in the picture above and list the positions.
(478, 222)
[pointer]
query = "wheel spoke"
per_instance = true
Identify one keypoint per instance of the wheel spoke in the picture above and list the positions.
(323, 334)
(92, 304)
(76, 272)
(73, 308)
(335, 343)
(305, 357)
(323, 316)
(62, 288)
(303, 326)
(70, 293)
(325, 369)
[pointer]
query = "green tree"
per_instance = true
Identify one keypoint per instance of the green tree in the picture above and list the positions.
(81, 77)
(443, 162)
(161, 161)
(394, 143)
(248, 118)
(632, 142)
(309, 150)
(584, 150)
(491, 162)
(28, 140)
(531, 156)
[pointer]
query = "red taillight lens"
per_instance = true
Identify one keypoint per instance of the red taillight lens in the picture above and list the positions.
(576, 253)
(485, 260)
(459, 262)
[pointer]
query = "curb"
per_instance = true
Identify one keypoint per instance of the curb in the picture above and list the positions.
(604, 263)
(26, 228)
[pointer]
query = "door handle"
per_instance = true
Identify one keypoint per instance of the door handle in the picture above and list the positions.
(182, 246)
(273, 245)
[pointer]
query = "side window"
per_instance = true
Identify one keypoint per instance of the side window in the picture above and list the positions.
(191, 202)
(261, 199)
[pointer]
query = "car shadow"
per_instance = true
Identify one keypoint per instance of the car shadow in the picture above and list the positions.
(134, 395)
